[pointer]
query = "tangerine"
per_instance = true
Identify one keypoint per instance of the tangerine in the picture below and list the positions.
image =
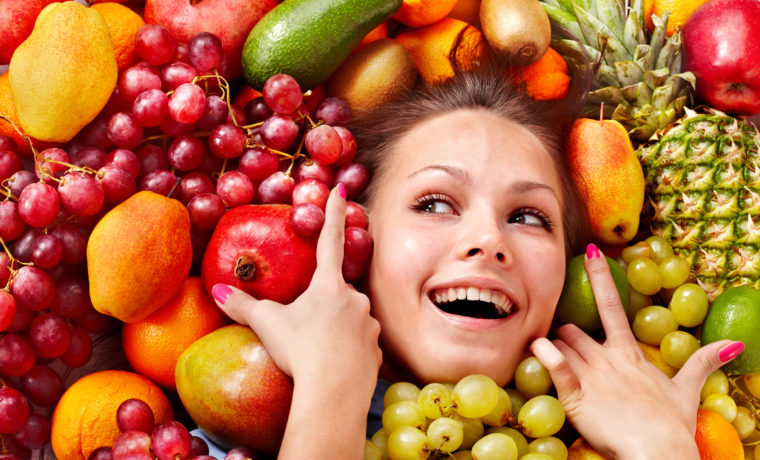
(418, 13)
(716, 438)
(680, 10)
(123, 24)
(547, 78)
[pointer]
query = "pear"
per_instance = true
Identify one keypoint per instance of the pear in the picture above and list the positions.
(609, 176)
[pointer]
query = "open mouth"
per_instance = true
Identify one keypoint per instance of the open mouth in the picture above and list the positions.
(472, 302)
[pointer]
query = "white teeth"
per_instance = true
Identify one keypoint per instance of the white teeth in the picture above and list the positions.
(473, 293)
(485, 295)
(499, 299)
(461, 293)
(452, 294)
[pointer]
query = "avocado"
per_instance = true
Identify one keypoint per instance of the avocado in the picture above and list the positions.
(309, 39)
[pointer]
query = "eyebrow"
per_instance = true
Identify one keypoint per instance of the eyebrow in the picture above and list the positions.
(464, 177)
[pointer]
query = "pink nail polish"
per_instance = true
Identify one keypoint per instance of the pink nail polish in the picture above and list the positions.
(592, 252)
(342, 190)
(730, 351)
(221, 292)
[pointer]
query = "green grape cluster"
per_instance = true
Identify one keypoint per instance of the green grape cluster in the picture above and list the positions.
(658, 277)
(473, 419)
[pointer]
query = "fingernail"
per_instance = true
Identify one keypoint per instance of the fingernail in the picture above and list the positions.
(342, 190)
(592, 252)
(221, 292)
(730, 351)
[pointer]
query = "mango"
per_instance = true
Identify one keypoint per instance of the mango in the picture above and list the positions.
(62, 75)
(138, 256)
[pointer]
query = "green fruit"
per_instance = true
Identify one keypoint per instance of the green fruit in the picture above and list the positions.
(735, 315)
(309, 39)
(577, 303)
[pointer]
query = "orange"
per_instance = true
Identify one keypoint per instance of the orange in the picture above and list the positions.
(547, 78)
(85, 417)
(680, 10)
(581, 450)
(377, 33)
(467, 11)
(154, 344)
(123, 23)
(418, 13)
(244, 95)
(444, 47)
(716, 438)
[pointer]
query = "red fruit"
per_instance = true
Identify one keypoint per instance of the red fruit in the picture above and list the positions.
(721, 48)
(254, 249)
(18, 20)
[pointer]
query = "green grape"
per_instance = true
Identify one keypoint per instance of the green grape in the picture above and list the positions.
(744, 422)
(640, 249)
(500, 414)
(536, 456)
(532, 378)
(721, 404)
(472, 428)
(407, 443)
(517, 399)
(400, 391)
(445, 434)
(644, 276)
(403, 413)
(674, 270)
(495, 446)
(717, 382)
(541, 416)
(620, 261)
(689, 305)
(475, 395)
(517, 437)
(660, 247)
(652, 323)
(752, 382)
(372, 452)
(380, 439)
(677, 346)
(550, 446)
(637, 302)
(435, 400)
(462, 455)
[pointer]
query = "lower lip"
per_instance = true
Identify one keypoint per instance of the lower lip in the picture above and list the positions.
(467, 322)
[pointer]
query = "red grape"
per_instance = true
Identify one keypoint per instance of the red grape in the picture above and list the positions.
(134, 81)
(236, 115)
(5, 263)
(43, 169)
(256, 110)
(23, 246)
(192, 184)
(306, 219)
(312, 170)
(356, 216)
(11, 224)
(226, 141)
(258, 164)
(186, 152)
(357, 251)
(35, 433)
(20, 180)
(95, 322)
(16, 355)
(7, 309)
(279, 132)
(187, 103)
(80, 349)
(94, 133)
(49, 335)
(282, 93)
(117, 184)
(170, 440)
(89, 156)
(355, 177)
(101, 453)
(241, 453)
(136, 415)
(234, 188)
(14, 410)
(33, 288)
(124, 131)
(43, 385)
(214, 113)
(21, 321)
(73, 241)
(152, 158)
(348, 152)
(160, 181)
(175, 74)
(333, 111)
(205, 51)
(9, 163)
(205, 210)
(7, 143)
(150, 108)
(72, 297)
(38, 204)
(155, 44)
(125, 159)
(15, 450)
(130, 443)
(311, 191)
(81, 194)
(277, 188)
(323, 144)
(47, 251)
(198, 447)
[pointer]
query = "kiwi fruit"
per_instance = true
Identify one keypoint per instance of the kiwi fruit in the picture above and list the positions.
(378, 72)
(516, 29)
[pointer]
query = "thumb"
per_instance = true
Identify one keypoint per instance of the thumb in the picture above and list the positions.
(705, 361)
(240, 306)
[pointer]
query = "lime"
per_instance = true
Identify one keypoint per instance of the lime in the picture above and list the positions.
(735, 315)
(577, 303)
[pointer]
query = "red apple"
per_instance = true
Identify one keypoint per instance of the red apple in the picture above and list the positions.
(16, 23)
(233, 390)
(230, 20)
(254, 249)
(721, 47)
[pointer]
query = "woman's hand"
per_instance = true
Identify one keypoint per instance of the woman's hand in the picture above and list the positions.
(620, 403)
(326, 340)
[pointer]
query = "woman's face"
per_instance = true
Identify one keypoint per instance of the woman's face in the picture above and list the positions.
(469, 256)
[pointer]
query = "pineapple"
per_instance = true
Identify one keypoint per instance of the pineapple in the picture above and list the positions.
(703, 186)
(639, 81)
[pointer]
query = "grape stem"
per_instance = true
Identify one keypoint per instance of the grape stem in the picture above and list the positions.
(7, 191)
(750, 401)
(3, 449)
(11, 268)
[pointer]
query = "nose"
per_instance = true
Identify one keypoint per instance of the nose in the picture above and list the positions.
(484, 239)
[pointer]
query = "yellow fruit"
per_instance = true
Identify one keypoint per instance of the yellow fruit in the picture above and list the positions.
(138, 256)
(679, 10)
(581, 450)
(653, 355)
(64, 73)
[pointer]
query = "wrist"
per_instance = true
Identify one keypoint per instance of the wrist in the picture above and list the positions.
(665, 443)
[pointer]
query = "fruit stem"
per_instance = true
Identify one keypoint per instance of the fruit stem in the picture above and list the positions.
(26, 138)
(244, 268)
(749, 400)
(11, 264)
(7, 192)
(3, 449)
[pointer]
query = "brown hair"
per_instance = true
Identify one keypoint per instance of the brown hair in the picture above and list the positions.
(489, 88)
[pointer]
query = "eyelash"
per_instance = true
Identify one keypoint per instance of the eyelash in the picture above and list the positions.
(423, 201)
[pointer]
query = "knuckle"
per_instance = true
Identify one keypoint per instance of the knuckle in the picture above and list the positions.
(597, 268)
(609, 300)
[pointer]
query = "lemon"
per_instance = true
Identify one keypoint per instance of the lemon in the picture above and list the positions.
(577, 303)
(735, 315)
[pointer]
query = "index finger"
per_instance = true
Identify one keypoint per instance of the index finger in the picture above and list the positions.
(611, 312)
(330, 243)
